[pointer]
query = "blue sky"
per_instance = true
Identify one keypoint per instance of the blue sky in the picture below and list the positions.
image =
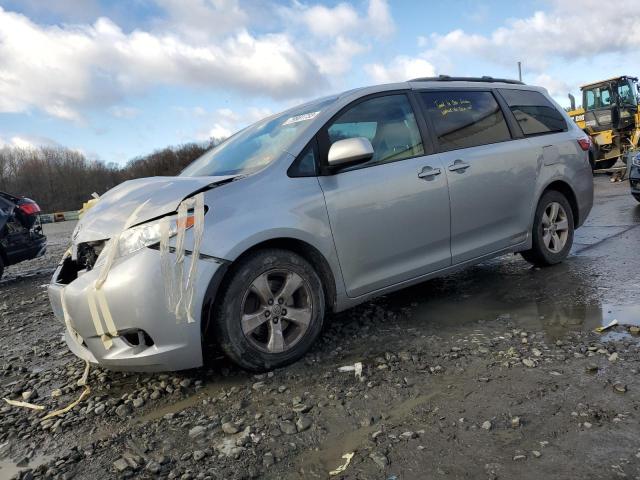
(117, 79)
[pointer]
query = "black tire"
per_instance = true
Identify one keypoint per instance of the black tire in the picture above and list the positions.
(635, 195)
(1, 266)
(604, 164)
(540, 254)
(238, 292)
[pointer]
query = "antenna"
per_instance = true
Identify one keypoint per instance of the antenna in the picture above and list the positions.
(520, 71)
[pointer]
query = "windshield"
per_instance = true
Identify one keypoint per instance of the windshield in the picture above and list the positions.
(258, 145)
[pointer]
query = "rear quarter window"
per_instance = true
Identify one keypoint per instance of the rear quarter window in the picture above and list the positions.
(464, 119)
(535, 114)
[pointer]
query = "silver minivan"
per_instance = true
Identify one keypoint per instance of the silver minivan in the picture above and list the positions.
(316, 210)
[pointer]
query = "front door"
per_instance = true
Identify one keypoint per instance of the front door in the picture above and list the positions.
(389, 217)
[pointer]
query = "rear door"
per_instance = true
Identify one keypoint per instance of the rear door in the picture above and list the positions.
(389, 217)
(491, 173)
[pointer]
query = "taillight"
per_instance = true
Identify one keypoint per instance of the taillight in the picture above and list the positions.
(585, 143)
(29, 208)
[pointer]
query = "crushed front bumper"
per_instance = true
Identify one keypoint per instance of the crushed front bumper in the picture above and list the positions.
(149, 336)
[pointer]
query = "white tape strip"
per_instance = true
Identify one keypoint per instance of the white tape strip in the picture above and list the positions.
(198, 230)
(179, 296)
(97, 294)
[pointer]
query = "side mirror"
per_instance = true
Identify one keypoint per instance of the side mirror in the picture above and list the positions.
(350, 151)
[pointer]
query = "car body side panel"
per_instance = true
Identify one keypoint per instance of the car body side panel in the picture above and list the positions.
(571, 166)
(490, 200)
(265, 207)
(389, 225)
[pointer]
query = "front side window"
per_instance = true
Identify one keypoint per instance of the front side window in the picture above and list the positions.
(464, 119)
(389, 124)
(534, 112)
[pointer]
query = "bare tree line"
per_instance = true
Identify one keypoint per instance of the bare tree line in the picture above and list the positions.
(61, 179)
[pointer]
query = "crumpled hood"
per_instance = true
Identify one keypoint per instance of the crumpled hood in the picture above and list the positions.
(161, 194)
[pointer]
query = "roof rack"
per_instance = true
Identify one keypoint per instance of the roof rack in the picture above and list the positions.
(447, 78)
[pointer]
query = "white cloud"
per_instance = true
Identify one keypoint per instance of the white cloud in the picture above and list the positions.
(401, 69)
(224, 122)
(343, 19)
(569, 31)
(556, 87)
(60, 70)
(203, 19)
(337, 59)
(27, 142)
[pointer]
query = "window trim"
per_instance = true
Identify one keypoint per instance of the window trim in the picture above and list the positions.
(515, 120)
(291, 171)
(323, 135)
(513, 134)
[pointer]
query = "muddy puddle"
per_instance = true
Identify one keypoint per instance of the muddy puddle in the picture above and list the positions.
(555, 319)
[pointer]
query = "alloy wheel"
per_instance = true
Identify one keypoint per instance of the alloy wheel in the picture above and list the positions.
(555, 227)
(276, 310)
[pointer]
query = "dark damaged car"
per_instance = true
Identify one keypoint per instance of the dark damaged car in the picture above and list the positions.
(21, 236)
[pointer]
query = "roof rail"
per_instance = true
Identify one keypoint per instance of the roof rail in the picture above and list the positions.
(447, 78)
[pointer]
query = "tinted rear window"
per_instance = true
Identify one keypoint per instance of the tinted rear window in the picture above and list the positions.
(534, 112)
(465, 119)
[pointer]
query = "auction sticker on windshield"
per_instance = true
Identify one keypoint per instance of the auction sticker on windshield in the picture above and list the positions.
(301, 118)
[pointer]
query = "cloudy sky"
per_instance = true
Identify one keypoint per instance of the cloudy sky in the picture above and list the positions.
(121, 78)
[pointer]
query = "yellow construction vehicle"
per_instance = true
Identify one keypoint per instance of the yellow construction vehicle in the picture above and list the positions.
(610, 116)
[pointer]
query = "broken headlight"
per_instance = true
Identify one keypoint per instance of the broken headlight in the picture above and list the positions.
(142, 236)
(636, 160)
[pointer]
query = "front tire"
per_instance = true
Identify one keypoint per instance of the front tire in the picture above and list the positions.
(635, 195)
(552, 233)
(271, 310)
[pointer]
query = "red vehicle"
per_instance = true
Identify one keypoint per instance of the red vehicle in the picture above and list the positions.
(21, 236)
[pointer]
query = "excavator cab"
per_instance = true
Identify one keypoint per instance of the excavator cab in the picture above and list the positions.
(611, 104)
(610, 116)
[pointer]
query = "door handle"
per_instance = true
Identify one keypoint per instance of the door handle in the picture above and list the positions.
(428, 172)
(458, 166)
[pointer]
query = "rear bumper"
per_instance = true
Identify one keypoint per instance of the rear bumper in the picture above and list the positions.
(135, 294)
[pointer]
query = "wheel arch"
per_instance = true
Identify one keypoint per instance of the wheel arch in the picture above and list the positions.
(564, 188)
(300, 247)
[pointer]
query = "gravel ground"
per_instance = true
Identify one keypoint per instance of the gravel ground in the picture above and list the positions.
(493, 372)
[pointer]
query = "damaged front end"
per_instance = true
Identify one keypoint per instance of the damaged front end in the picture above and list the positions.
(128, 290)
(21, 236)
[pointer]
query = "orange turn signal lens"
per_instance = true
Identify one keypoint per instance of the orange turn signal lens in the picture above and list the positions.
(186, 223)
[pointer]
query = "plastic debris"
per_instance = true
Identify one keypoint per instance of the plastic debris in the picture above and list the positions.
(16, 403)
(347, 457)
(356, 368)
(57, 413)
(606, 327)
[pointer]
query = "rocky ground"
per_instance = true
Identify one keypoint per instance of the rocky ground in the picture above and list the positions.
(494, 372)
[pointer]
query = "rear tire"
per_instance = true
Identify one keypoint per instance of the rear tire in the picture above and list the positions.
(552, 233)
(271, 310)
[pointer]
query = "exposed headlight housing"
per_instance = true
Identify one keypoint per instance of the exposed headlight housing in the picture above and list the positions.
(142, 236)
(636, 160)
